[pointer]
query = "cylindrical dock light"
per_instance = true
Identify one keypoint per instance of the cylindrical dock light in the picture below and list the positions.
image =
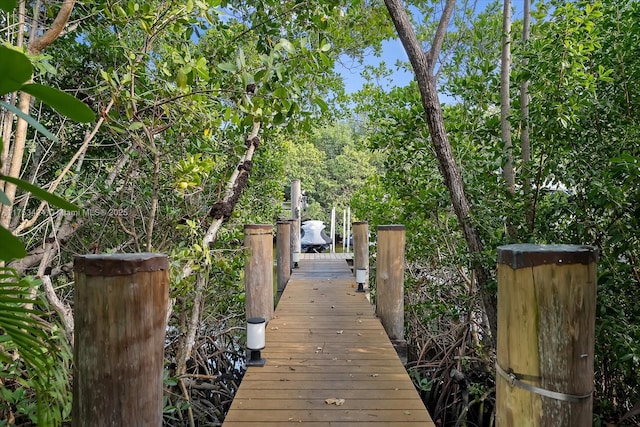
(296, 259)
(361, 277)
(255, 341)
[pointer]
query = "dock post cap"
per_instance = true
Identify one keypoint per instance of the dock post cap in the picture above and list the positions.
(120, 264)
(258, 227)
(391, 227)
(523, 255)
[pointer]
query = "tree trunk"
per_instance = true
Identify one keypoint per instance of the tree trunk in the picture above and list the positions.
(423, 65)
(505, 99)
(221, 211)
(525, 143)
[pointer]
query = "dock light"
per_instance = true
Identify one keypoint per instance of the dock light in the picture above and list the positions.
(361, 275)
(296, 259)
(255, 341)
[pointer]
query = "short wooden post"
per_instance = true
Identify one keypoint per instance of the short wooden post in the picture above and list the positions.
(283, 255)
(258, 271)
(360, 245)
(546, 312)
(390, 283)
(120, 305)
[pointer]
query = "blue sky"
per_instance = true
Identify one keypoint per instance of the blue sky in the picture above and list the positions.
(392, 51)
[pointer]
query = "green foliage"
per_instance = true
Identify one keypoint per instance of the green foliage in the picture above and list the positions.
(186, 86)
(592, 156)
(579, 187)
(34, 355)
(332, 167)
(15, 69)
(63, 103)
(8, 5)
(35, 358)
(13, 79)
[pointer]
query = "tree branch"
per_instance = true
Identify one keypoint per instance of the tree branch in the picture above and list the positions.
(37, 45)
(66, 230)
(52, 187)
(407, 36)
(63, 310)
(234, 188)
(438, 39)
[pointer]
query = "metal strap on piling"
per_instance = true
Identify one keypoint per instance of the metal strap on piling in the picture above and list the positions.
(514, 381)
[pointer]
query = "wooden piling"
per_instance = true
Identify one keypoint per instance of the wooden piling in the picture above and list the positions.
(296, 197)
(390, 283)
(360, 245)
(258, 270)
(283, 255)
(292, 227)
(295, 239)
(545, 343)
(120, 305)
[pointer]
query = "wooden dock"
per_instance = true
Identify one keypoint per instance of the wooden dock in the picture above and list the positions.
(329, 360)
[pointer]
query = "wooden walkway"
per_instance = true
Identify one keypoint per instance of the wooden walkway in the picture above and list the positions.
(329, 360)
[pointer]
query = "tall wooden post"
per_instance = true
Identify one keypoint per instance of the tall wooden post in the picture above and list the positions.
(546, 312)
(283, 255)
(120, 305)
(296, 196)
(360, 245)
(258, 271)
(390, 283)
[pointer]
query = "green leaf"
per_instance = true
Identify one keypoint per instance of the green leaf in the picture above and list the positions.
(33, 122)
(286, 44)
(278, 119)
(323, 105)
(40, 193)
(11, 247)
(4, 199)
(181, 79)
(202, 69)
(8, 5)
(227, 66)
(325, 59)
(15, 69)
(117, 129)
(62, 102)
(241, 59)
(260, 75)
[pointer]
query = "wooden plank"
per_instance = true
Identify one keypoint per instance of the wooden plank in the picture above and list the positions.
(331, 413)
(341, 367)
(321, 384)
(292, 376)
(330, 423)
(324, 341)
(357, 402)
